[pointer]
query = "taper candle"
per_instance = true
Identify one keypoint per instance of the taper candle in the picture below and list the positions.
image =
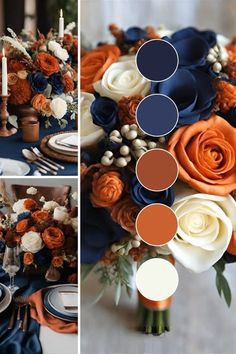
(61, 25)
(4, 74)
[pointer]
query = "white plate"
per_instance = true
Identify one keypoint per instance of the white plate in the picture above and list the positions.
(60, 148)
(14, 167)
(55, 300)
(7, 299)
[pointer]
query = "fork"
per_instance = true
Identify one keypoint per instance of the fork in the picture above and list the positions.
(21, 301)
(39, 154)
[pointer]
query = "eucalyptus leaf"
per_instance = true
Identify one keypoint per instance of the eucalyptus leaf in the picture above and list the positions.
(226, 290)
(99, 296)
(85, 270)
(218, 284)
(117, 293)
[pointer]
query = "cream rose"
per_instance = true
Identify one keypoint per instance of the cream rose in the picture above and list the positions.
(60, 214)
(61, 54)
(58, 107)
(205, 225)
(53, 45)
(89, 132)
(31, 242)
(50, 205)
(19, 206)
(32, 191)
(122, 79)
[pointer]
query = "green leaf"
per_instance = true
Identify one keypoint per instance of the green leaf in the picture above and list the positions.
(85, 270)
(218, 284)
(99, 296)
(226, 290)
(220, 266)
(117, 293)
(129, 290)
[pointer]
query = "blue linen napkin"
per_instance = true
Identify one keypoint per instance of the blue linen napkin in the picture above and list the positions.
(16, 341)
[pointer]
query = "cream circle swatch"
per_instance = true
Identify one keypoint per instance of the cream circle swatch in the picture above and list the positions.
(157, 279)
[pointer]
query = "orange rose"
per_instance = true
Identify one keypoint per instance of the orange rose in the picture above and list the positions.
(127, 109)
(107, 189)
(57, 261)
(30, 204)
(206, 154)
(53, 237)
(22, 225)
(47, 63)
(38, 101)
(225, 95)
(12, 79)
(68, 83)
(20, 92)
(41, 215)
(46, 109)
(28, 258)
(15, 65)
(94, 64)
(72, 278)
(125, 213)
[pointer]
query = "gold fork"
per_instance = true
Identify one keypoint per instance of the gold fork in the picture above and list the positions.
(22, 301)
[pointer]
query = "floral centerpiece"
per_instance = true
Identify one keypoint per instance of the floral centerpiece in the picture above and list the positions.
(203, 143)
(46, 234)
(42, 73)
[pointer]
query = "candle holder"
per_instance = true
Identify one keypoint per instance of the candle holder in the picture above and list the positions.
(4, 115)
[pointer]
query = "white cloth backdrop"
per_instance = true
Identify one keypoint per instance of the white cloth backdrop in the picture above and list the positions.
(96, 15)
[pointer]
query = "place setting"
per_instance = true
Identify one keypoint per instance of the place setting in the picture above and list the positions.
(39, 100)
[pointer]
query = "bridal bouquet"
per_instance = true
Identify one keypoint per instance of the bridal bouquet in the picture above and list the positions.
(46, 234)
(203, 144)
(41, 73)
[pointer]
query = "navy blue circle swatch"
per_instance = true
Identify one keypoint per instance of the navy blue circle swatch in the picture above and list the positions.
(157, 115)
(157, 60)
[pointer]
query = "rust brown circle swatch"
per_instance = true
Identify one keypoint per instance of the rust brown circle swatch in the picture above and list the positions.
(156, 224)
(157, 170)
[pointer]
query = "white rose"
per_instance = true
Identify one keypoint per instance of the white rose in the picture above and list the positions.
(90, 133)
(60, 213)
(31, 242)
(53, 45)
(74, 224)
(50, 205)
(19, 206)
(58, 107)
(61, 54)
(122, 79)
(32, 191)
(205, 225)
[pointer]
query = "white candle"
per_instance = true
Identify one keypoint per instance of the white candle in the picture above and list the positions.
(4, 74)
(61, 25)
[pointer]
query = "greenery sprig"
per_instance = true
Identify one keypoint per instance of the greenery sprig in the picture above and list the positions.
(221, 282)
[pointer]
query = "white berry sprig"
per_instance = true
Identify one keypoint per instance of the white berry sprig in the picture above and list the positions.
(134, 144)
(217, 57)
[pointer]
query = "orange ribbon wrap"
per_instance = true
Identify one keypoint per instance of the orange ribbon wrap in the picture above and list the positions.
(157, 305)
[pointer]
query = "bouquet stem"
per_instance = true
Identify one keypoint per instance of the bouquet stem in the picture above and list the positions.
(153, 316)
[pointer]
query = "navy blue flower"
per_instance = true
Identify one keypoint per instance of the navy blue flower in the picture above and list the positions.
(98, 231)
(192, 46)
(2, 246)
(193, 93)
(43, 257)
(22, 216)
(134, 34)
(38, 82)
(57, 85)
(143, 196)
(104, 112)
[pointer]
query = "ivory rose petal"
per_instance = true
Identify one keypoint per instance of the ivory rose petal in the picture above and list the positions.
(205, 225)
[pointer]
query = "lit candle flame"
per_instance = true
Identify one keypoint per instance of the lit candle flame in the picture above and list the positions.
(61, 13)
(3, 52)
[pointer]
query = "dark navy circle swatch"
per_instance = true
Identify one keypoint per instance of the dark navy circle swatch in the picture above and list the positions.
(157, 115)
(157, 60)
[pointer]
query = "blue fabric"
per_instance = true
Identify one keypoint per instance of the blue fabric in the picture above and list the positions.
(12, 146)
(16, 341)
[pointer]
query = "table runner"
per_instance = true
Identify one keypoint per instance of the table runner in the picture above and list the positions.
(15, 341)
(12, 146)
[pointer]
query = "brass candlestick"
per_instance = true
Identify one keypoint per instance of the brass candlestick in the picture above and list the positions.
(4, 131)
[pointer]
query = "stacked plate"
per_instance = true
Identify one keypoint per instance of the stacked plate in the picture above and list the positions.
(61, 301)
(66, 143)
(5, 297)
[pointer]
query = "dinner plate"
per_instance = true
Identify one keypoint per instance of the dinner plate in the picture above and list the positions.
(14, 167)
(2, 293)
(55, 300)
(7, 298)
(52, 143)
(52, 311)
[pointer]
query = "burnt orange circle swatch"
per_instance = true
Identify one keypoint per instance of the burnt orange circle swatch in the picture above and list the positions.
(156, 224)
(157, 170)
